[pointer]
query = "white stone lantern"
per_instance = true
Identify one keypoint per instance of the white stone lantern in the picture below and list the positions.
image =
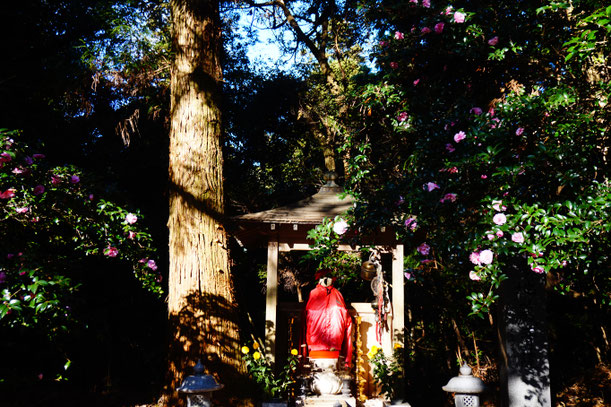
(198, 387)
(466, 388)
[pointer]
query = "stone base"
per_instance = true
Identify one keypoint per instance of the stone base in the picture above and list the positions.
(328, 400)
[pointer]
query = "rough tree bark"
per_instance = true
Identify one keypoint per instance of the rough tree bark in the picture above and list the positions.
(201, 304)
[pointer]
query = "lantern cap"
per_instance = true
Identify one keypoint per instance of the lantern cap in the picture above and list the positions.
(199, 382)
(465, 382)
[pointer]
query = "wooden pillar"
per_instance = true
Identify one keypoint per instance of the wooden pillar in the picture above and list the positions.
(398, 296)
(271, 299)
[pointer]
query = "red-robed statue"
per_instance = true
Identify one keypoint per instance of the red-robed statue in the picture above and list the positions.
(328, 324)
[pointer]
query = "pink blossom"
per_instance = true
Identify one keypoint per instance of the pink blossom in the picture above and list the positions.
(448, 197)
(131, 234)
(416, 81)
(499, 233)
(18, 170)
(491, 111)
(458, 137)
(111, 251)
(517, 237)
(38, 189)
(459, 17)
(483, 176)
(402, 116)
(493, 41)
(439, 28)
(499, 219)
(383, 43)
(424, 249)
(425, 30)
(448, 11)
(55, 179)
(152, 265)
(394, 65)
(411, 223)
(75, 179)
(38, 156)
(563, 263)
(474, 276)
(490, 236)
(426, 3)
(340, 227)
(519, 131)
(413, 1)
(474, 258)
(486, 256)
(408, 276)
(537, 269)
(143, 260)
(495, 122)
(22, 210)
(431, 186)
(91, 197)
(476, 110)
(498, 206)
(130, 218)
(9, 193)
(399, 35)
(450, 148)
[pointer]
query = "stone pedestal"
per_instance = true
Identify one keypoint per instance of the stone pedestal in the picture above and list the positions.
(329, 400)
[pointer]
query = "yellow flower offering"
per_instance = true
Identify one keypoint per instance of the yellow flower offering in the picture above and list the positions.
(398, 345)
(294, 352)
(256, 355)
(245, 350)
(255, 345)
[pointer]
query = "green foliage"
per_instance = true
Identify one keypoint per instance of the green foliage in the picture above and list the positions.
(387, 372)
(261, 370)
(52, 219)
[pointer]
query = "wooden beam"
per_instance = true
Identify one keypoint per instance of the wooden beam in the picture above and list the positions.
(398, 296)
(271, 299)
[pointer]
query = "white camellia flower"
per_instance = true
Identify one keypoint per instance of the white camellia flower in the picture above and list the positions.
(340, 227)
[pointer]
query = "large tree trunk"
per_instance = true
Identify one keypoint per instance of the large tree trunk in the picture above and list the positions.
(201, 304)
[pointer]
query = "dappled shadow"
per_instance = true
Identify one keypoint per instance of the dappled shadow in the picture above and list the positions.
(201, 332)
(523, 338)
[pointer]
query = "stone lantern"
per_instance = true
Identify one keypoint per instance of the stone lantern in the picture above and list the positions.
(198, 386)
(466, 388)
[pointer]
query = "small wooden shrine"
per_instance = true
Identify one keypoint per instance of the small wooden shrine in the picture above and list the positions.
(285, 229)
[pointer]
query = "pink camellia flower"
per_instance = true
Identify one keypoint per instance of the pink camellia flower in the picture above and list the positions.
(439, 28)
(519, 131)
(459, 17)
(458, 137)
(18, 170)
(399, 35)
(431, 186)
(5, 158)
(131, 218)
(413, 1)
(152, 265)
(416, 81)
(131, 235)
(402, 116)
(448, 197)
(394, 65)
(111, 251)
(143, 260)
(38, 156)
(474, 276)
(476, 110)
(447, 11)
(491, 111)
(424, 249)
(38, 189)
(425, 30)
(75, 179)
(9, 193)
(493, 41)
(408, 276)
(517, 237)
(563, 263)
(426, 3)
(22, 210)
(486, 256)
(494, 123)
(340, 227)
(383, 43)
(483, 176)
(55, 179)
(474, 258)
(91, 197)
(498, 206)
(411, 223)
(491, 236)
(499, 219)
(450, 148)
(499, 233)
(537, 269)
